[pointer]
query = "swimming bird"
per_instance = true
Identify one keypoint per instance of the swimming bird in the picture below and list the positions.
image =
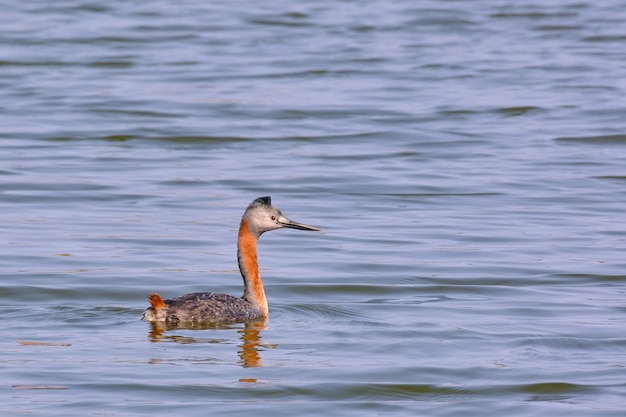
(210, 307)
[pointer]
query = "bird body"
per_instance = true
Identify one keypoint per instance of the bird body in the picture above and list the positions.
(210, 307)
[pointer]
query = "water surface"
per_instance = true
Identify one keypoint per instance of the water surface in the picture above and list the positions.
(465, 161)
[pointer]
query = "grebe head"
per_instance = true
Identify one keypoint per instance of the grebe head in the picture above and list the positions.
(263, 217)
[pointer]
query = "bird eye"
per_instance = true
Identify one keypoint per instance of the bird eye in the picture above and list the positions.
(273, 217)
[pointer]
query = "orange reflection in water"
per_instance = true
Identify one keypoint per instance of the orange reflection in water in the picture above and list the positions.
(249, 348)
(250, 336)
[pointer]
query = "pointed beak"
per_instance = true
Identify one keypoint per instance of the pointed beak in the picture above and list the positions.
(285, 222)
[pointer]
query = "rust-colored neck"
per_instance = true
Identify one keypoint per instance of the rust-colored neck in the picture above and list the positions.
(246, 254)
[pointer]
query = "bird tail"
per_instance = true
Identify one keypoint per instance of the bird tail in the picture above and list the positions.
(156, 301)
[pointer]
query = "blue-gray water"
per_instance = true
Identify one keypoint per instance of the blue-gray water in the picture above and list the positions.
(466, 162)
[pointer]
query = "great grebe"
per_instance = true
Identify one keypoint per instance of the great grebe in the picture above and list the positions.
(210, 307)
